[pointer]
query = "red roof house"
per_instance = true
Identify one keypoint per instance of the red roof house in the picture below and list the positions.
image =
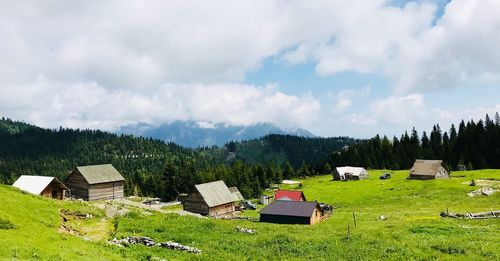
(289, 195)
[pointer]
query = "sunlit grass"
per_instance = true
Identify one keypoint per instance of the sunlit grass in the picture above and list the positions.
(413, 229)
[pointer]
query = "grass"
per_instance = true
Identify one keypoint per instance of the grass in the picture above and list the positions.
(173, 207)
(413, 229)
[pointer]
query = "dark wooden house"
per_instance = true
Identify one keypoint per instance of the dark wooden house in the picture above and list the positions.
(429, 169)
(212, 199)
(96, 182)
(291, 212)
(41, 185)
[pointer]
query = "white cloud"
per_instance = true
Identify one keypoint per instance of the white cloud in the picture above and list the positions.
(89, 105)
(101, 64)
(343, 99)
(404, 44)
(395, 114)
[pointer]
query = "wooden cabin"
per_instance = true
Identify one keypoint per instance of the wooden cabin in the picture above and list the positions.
(42, 185)
(428, 169)
(291, 195)
(291, 212)
(96, 182)
(349, 173)
(212, 199)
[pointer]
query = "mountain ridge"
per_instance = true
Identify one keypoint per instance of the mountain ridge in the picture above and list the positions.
(195, 134)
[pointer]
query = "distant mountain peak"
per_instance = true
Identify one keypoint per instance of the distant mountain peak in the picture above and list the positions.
(206, 133)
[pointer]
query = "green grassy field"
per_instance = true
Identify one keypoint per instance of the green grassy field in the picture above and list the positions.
(413, 229)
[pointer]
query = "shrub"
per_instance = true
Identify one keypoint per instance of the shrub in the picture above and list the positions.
(6, 224)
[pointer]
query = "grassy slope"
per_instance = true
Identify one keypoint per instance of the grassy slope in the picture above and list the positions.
(413, 230)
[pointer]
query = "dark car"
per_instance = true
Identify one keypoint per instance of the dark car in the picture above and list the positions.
(386, 175)
(249, 205)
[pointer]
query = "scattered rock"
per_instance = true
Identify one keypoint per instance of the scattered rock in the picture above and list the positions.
(487, 191)
(245, 230)
(178, 246)
(151, 201)
(382, 217)
(133, 240)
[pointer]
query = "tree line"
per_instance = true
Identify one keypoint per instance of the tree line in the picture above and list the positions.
(150, 167)
(475, 145)
(156, 168)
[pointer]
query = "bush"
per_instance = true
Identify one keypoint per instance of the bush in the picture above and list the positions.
(6, 224)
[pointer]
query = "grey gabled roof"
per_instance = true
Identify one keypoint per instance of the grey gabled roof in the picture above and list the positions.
(290, 208)
(215, 193)
(426, 167)
(36, 184)
(96, 174)
(236, 193)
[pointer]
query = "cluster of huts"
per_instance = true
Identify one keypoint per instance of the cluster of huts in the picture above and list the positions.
(422, 169)
(94, 182)
(214, 199)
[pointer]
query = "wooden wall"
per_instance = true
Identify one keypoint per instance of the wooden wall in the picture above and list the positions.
(109, 190)
(222, 209)
(316, 217)
(81, 189)
(53, 187)
(78, 185)
(194, 203)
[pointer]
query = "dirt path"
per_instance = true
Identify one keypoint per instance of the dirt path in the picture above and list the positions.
(157, 208)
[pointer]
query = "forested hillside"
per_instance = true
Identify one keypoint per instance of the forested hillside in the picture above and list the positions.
(281, 149)
(475, 145)
(153, 167)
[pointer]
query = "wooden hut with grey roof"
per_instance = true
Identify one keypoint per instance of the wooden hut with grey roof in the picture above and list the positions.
(212, 199)
(428, 169)
(96, 182)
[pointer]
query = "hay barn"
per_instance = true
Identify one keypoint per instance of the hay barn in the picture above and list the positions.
(290, 195)
(212, 199)
(349, 173)
(291, 212)
(429, 169)
(96, 182)
(42, 185)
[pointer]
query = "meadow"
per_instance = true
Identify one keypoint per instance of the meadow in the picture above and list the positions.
(413, 229)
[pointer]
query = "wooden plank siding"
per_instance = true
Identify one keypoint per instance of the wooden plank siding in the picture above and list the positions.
(195, 203)
(221, 210)
(81, 189)
(78, 185)
(53, 190)
(110, 190)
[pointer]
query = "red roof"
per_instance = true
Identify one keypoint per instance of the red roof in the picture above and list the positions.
(290, 195)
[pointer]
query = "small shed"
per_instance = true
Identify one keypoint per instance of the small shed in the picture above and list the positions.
(42, 185)
(349, 173)
(428, 169)
(212, 199)
(290, 195)
(236, 194)
(96, 182)
(291, 212)
(266, 200)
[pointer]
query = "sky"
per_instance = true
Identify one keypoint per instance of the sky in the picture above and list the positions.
(336, 68)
